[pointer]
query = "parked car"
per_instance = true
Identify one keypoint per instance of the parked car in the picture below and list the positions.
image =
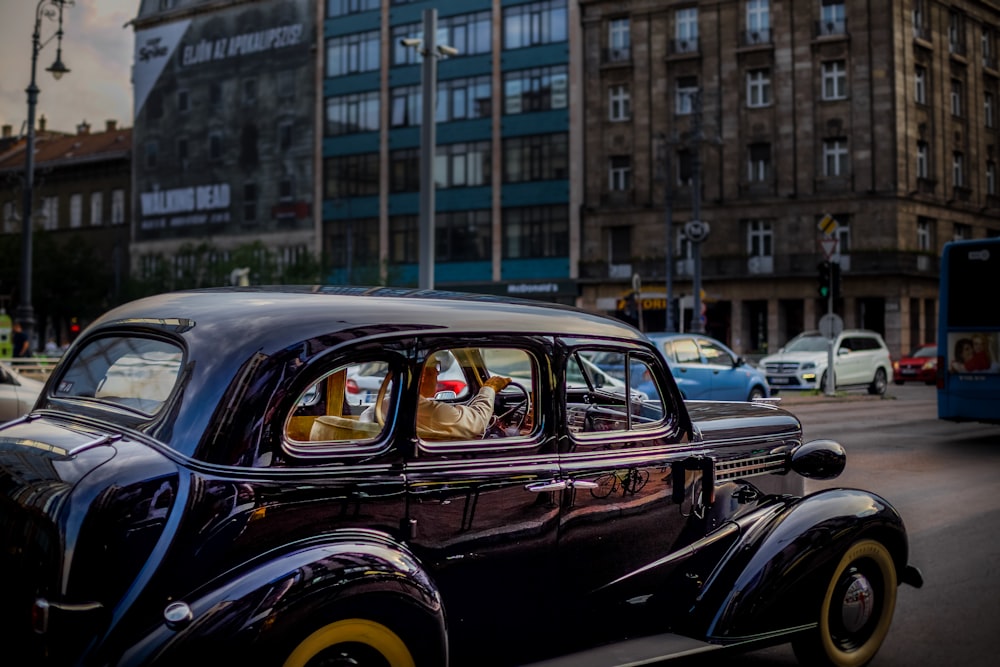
(861, 359)
(918, 366)
(170, 499)
(18, 393)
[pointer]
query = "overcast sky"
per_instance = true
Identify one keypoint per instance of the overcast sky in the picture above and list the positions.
(97, 50)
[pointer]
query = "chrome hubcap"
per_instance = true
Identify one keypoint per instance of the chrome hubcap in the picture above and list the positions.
(858, 604)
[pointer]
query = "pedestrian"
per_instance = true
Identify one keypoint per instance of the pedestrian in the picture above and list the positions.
(22, 346)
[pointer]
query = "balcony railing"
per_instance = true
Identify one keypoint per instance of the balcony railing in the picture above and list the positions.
(831, 28)
(759, 37)
(621, 54)
(686, 45)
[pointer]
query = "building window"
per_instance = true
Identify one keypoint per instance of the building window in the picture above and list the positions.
(758, 21)
(353, 175)
(619, 40)
(759, 87)
(117, 207)
(348, 114)
(350, 54)
(988, 43)
(460, 99)
(686, 30)
(687, 90)
(619, 245)
(405, 108)
(923, 160)
(468, 33)
(50, 213)
(536, 89)
(835, 157)
(151, 153)
(760, 238)
(463, 236)
(249, 92)
(619, 103)
(462, 164)
(958, 169)
(535, 158)
(758, 162)
(214, 146)
(835, 80)
(619, 173)
(285, 133)
(183, 101)
(919, 19)
(685, 166)
(991, 177)
(956, 33)
(249, 202)
(9, 222)
(96, 208)
(843, 233)
(534, 23)
(832, 18)
(535, 231)
(989, 107)
(956, 97)
(961, 232)
(76, 210)
(344, 7)
(920, 84)
(215, 94)
(923, 234)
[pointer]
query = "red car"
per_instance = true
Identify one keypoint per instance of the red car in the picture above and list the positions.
(919, 366)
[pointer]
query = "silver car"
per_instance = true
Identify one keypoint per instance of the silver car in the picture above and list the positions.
(17, 393)
(861, 359)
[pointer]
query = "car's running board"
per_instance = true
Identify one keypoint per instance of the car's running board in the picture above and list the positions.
(632, 652)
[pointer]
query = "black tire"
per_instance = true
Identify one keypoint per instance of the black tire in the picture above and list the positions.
(756, 392)
(822, 383)
(351, 642)
(879, 383)
(856, 611)
(899, 382)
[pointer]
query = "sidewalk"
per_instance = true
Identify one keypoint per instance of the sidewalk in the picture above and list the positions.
(810, 396)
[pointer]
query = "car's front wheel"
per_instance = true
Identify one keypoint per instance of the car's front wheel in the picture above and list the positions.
(879, 383)
(856, 611)
(756, 392)
(354, 642)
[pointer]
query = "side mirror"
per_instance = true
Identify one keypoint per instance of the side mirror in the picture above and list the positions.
(445, 395)
(842, 352)
(739, 361)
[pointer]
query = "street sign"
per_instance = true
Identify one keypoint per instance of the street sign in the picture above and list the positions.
(696, 230)
(828, 225)
(829, 246)
(830, 325)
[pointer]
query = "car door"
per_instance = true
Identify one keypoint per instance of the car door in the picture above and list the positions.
(619, 515)
(483, 513)
(693, 377)
(851, 361)
(727, 383)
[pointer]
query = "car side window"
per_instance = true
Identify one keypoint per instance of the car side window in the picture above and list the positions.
(715, 354)
(599, 403)
(340, 407)
(686, 351)
(488, 393)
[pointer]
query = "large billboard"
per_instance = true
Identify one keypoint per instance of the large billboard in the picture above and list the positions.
(224, 129)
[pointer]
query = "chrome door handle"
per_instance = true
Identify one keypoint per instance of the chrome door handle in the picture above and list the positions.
(559, 485)
(584, 484)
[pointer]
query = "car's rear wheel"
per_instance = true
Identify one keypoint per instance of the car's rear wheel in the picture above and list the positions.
(354, 642)
(879, 383)
(856, 611)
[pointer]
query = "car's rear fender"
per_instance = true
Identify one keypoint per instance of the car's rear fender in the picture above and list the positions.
(257, 614)
(774, 574)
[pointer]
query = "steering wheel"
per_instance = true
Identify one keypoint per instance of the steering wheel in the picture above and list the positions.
(380, 399)
(519, 408)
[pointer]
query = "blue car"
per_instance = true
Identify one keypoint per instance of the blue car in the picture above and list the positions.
(705, 369)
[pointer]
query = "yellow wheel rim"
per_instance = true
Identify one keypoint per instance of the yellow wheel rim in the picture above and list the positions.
(356, 630)
(879, 555)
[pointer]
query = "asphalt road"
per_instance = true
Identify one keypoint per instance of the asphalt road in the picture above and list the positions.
(944, 479)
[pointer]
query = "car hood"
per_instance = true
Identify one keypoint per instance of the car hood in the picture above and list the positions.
(797, 357)
(729, 420)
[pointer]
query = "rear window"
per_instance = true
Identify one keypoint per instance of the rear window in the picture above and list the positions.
(135, 373)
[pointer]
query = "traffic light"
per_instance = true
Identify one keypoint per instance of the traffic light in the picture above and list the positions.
(824, 279)
(74, 328)
(835, 280)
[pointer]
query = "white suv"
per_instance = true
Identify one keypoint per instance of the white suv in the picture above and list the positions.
(861, 359)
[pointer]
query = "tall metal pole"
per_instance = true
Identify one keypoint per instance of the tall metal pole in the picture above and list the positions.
(668, 214)
(427, 149)
(25, 312)
(696, 324)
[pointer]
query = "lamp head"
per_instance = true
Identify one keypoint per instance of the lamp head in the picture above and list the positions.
(58, 68)
(410, 41)
(446, 50)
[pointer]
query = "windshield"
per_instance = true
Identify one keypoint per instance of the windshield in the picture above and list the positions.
(131, 372)
(928, 351)
(807, 344)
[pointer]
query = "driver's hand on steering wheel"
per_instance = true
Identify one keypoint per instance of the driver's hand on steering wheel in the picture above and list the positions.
(497, 383)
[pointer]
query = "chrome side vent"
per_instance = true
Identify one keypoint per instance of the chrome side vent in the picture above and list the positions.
(748, 467)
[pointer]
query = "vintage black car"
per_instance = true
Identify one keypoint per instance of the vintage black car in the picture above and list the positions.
(200, 478)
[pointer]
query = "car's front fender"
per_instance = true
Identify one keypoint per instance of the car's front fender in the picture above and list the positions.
(775, 574)
(257, 612)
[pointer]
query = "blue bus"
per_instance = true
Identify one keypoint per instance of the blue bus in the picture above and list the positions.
(969, 332)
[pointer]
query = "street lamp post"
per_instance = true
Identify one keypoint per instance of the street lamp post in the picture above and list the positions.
(431, 51)
(49, 9)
